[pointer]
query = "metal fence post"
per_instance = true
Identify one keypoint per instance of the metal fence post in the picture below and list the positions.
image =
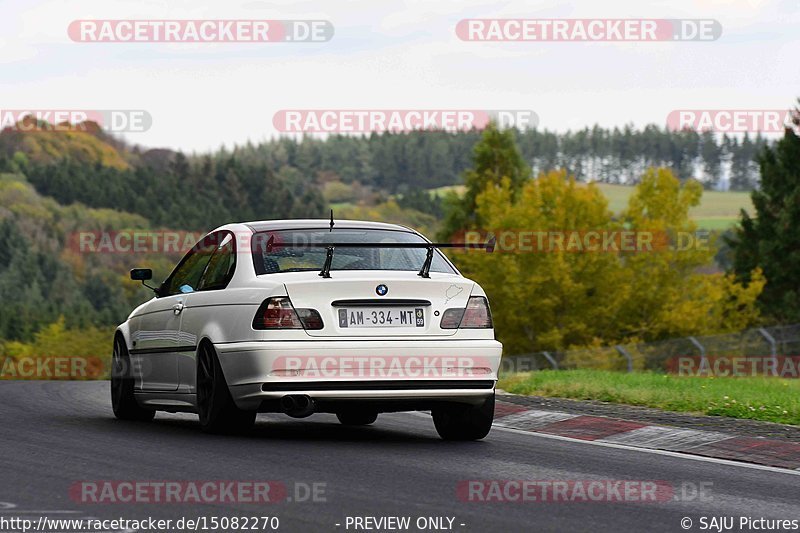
(773, 345)
(550, 358)
(624, 353)
(703, 362)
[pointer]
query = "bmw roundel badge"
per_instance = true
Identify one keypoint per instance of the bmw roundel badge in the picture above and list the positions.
(381, 289)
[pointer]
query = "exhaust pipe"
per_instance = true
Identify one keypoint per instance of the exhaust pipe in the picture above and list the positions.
(298, 405)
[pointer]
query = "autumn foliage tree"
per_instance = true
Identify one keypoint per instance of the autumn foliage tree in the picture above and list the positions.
(495, 158)
(558, 299)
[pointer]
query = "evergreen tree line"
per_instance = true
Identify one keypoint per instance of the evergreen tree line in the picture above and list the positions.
(282, 178)
(195, 194)
(402, 162)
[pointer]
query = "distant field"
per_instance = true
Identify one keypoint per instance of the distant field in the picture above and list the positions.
(717, 210)
(441, 191)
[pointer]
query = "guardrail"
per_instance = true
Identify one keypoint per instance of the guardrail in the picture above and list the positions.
(772, 343)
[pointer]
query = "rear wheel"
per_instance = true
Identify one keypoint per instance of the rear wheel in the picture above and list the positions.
(357, 418)
(217, 410)
(123, 401)
(464, 421)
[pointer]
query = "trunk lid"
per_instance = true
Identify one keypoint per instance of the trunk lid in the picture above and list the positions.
(351, 304)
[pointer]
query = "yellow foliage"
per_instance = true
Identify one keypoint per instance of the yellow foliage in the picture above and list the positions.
(554, 300)
(51, 146)
(390, 211)
(55, 340)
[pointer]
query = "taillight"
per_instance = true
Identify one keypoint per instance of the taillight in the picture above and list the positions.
(451, 318)
(475, 316)
(310, 318)
(278, 313)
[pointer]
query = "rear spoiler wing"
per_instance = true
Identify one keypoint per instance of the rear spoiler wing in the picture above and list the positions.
(423, 272)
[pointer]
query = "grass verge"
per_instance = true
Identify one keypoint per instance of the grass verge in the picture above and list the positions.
(756, 398)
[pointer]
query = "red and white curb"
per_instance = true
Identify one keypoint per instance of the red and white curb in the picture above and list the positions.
(761, 451)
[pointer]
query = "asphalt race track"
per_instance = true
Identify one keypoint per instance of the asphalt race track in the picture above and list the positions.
(56, 434)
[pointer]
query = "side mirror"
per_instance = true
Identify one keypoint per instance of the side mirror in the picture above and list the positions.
(141, 274)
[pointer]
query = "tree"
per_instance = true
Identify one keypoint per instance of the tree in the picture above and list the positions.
(770, 240)
(555, 299)
(669, 295)
(711, 154)
(422, 201)
(496, 159)
(743, 175)
(545, 300)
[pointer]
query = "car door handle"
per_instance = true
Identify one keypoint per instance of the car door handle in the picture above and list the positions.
(177, 308)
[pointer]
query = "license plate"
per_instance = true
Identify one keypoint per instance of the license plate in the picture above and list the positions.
(381, 317)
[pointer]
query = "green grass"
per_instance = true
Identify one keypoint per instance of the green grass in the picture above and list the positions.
(715, 223)
(617, 195)
(723, 204)
(717, 210)
(757, 398)
(442, 191)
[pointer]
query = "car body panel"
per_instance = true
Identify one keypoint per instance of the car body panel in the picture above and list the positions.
(276, 362)
(155, 344)
(163, 343)
(440, 290)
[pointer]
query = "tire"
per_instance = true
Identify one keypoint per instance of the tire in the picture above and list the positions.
(123, 401)
(357, 418)
(215, 406)
(464, 421)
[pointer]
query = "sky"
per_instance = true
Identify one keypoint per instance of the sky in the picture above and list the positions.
(394, 55)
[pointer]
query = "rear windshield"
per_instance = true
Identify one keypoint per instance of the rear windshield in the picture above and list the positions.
(299, 258)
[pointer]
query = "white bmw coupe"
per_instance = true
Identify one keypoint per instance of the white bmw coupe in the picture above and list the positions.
(304, 316)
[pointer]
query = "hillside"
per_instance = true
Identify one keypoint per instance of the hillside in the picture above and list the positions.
(42, 277)
(56, 184)
(86, 144)
(166, 187)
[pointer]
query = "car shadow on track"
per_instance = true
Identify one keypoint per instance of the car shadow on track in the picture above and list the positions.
(318, 428)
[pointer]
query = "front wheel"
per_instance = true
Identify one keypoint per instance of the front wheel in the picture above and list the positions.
(217, 410)
(464, 421)
(123, 401)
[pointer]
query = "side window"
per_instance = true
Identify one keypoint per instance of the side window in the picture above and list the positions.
(220, 268)
(186, 277)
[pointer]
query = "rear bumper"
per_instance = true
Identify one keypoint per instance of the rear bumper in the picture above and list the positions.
(397, 372)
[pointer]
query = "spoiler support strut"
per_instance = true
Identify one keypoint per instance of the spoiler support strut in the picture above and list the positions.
(424, 272)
